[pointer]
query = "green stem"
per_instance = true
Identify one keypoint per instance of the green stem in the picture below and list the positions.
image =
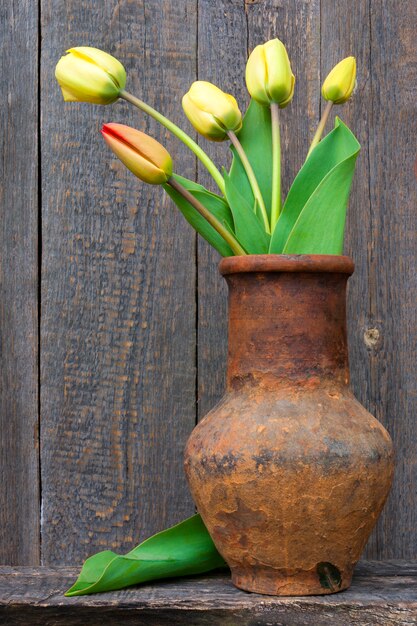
(251, 177)
(186, 139)
(276, 166)
(320, 128)
(213, 221)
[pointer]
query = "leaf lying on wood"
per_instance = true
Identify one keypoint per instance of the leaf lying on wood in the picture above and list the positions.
(183, 550)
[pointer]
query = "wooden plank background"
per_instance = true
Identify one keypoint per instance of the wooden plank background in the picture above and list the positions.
(19, 271)
(112, 313)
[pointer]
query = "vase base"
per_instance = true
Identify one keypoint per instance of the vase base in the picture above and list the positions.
(273, 582)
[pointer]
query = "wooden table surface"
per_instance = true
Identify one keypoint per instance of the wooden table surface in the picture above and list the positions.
(382, 593)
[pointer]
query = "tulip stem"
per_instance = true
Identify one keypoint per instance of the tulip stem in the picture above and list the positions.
(276, 166)
(209, 217)
(251, 177)
(175, 130)
(320, 128)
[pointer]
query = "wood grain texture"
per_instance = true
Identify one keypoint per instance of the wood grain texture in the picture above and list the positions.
(228, 31)
(393, 260)
(381, 237)
(380, 594)
(123, 278)
(118, 292)
(19, 450)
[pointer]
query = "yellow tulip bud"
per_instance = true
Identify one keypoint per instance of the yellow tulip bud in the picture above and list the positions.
(142, 155)
(268, 74)
(340, 82)
(211, 111)
(90, 75)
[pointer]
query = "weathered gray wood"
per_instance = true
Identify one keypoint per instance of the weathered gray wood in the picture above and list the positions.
(118, 292)
(19, 492)
(393, 193)
(381, 237)
(118, 314)
(29, 595)
(227, 33)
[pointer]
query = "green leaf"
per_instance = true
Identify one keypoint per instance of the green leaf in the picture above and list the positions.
(182, 550)
(248, 226)
(191, 185)
(215, 204)
(313, 216)
(256, 139)
(321, 224)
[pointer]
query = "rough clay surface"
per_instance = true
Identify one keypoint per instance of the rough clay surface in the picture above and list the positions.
(289, 471)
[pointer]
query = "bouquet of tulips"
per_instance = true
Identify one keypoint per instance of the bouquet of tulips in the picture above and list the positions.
(246, 216)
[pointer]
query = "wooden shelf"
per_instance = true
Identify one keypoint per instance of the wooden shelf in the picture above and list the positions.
(383, 593)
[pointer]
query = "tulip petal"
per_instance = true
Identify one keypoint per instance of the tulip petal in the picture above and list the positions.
(142, 155)
(279, 70)
(103, 60)
(68, 95)
(268, 74)
(286, 102)
(211, 111)
(340, 82)
(257, 76)
(90, 75)
(204, 123)
(85, 81)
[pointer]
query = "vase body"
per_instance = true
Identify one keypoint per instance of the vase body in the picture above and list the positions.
(289, 471)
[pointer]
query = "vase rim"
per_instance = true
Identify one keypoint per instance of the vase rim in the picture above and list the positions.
(286, 263)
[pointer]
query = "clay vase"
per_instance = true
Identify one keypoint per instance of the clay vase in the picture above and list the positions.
(289, 471)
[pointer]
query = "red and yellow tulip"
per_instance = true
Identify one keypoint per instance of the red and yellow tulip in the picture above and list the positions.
(142, 155)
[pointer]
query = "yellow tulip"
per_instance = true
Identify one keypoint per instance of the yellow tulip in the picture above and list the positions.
(211, 111)
(268, 74)
(90, 75)
(142, 155)
(340, 82)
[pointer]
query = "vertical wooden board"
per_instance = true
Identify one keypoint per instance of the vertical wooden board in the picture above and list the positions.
(381, 238)
(118, 292)
(19, 495)
(393, 192)
(228, 31)
(345, 32)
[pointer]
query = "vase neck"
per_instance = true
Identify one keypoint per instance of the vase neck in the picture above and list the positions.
(286, 327)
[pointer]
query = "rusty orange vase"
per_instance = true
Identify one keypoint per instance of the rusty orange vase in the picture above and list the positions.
(289, 471)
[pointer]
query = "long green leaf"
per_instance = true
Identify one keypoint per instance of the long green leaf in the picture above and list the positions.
(215, 204)
(318, 181)
(183, 550)
(256, 139)
(321, 224)
(248, 226)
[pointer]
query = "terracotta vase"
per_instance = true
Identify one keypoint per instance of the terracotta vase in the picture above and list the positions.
(289, 471)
